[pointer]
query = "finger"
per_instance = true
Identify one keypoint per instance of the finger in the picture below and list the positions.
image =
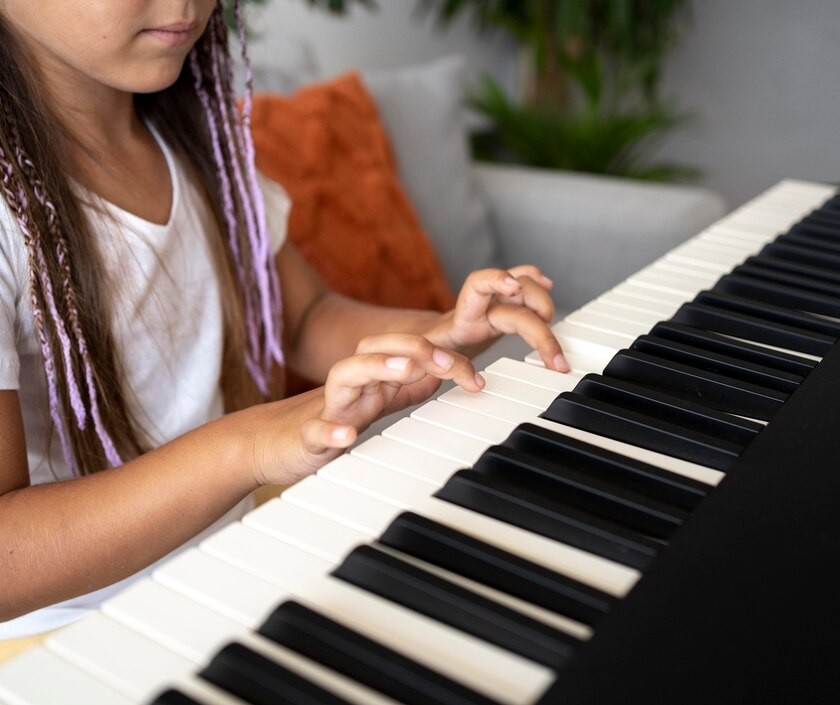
(534, 297)
(320, 436)
(433, 360)
(353, 377)
(522, 321)
(529, 270)
(479, 289)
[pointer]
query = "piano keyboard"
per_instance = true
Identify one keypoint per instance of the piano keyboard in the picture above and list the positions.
(476, 551)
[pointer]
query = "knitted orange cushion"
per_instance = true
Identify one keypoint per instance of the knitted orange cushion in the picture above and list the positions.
(350, 218)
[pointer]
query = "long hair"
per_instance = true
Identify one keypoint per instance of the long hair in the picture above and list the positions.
(198, 118)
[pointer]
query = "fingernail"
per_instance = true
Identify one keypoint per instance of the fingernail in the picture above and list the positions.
(341, 435)
(479, 380)
(510, 281)
(396, 363)
(442, 359)
(560, 363)
(547, 281)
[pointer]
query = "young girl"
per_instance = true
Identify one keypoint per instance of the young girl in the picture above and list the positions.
(142, 270)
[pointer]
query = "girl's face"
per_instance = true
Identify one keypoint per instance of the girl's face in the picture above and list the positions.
(135, 46)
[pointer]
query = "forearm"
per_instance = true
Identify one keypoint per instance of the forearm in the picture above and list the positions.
(335, 324)
(64, 539)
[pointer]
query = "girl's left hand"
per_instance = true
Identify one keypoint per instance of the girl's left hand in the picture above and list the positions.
(494, 302)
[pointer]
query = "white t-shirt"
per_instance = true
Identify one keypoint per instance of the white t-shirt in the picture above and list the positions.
(168, 329)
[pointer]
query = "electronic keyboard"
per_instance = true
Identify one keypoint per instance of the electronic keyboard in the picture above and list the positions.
(656, 526)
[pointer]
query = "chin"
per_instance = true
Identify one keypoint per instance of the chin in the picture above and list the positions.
(159, 79)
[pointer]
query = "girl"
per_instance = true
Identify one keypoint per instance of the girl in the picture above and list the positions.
(142, 269)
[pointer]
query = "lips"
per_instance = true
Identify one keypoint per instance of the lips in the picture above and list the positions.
(175, 28)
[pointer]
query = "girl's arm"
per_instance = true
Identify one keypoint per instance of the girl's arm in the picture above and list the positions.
(322, 327)
(63, 539)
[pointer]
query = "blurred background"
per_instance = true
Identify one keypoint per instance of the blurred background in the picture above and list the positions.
(753, 86)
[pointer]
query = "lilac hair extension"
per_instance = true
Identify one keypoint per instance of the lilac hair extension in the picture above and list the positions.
(38, 271)
(270, 285)
(18, 207)
(76, 402)
(230, 219)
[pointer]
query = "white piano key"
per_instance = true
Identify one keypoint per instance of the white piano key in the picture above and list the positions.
(378, 481)
(707, 258)
(538, 397)
(341, 602)
(505, 409)
(130, 663)
(40, 677)
(530, 374)
(629, 288)
(513, 414)
(473, 662)
(594, 348)
(205, 693)
(198, 633)
(323, 544)
(446, 442)
(615, 319)
(482, 427)
(291, 523)
(422, 464)
(692, 276)
(626, 296)
(232, 592)
(354, 508)
(682, 285)
(172, 620)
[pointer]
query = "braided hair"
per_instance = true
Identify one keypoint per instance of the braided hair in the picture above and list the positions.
(200, 120)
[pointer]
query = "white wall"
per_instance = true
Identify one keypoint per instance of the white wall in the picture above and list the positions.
(764, 78)
(392, 36)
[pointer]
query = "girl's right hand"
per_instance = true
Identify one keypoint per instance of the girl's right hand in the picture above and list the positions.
(387, 373)
(362, 388)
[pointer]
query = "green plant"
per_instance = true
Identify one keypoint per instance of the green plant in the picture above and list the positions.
(593, 102)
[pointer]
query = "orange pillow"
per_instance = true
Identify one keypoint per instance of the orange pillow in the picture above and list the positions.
(350, 217)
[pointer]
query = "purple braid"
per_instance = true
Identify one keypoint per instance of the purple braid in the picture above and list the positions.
(266, 272)
(260, 286)
(17, 200)
(252, 354)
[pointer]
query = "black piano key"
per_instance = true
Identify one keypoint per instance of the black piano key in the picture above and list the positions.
(825, 223)
(667, 407)
(817, 228)
(768, 263)
(766, 289)
(762, 309)
(801, 255)
(363, 660)
(711, 361)
(174, 697)
(739, 349)
(393, 579)
(261, 681)
(752, 328)
(608, 500)
(831, 205)
(633, 474)
(707, 388)
(452, 550)
(806, 283)
(637, 429)
(516, 505)
(811, 242)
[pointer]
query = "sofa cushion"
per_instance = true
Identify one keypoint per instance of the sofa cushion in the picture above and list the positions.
(350, 218)
(422, 107)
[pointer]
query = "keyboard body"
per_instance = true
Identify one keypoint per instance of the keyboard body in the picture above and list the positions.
(736, 606)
